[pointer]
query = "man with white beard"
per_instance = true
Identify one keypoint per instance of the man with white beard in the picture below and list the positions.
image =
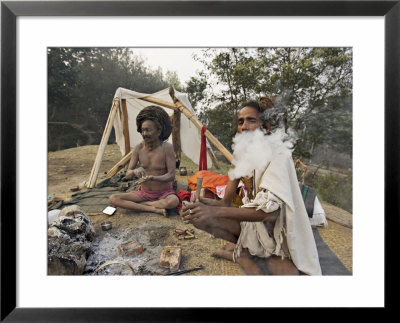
(272, 224)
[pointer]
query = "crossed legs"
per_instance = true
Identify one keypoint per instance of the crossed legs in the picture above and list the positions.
(134, 202)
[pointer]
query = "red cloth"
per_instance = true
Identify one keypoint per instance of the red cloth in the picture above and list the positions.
(203, 150)
(153, 195)
(183, 196)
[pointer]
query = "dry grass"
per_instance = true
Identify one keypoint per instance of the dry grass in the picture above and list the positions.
(70, 167)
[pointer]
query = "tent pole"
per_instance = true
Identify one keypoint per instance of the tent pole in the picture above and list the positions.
(159, 102)
(176, 134)
(103, 144)
(213, 158)
(119, 165)
(126, 127)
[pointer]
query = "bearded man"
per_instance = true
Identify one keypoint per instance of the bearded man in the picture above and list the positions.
(157, 166)
(272, 225)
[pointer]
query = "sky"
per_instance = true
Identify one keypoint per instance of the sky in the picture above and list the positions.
(173, 59)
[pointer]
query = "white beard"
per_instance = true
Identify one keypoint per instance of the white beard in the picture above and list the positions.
(253, 150)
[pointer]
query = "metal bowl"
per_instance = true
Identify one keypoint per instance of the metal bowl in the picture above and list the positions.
(106, 225)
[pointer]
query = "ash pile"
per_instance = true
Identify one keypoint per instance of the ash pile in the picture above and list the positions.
(75, 248)
(128, 252)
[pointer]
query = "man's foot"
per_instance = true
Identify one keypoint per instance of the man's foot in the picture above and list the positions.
(278, 266)
(162, 212)
(244, 261)
(226, 252)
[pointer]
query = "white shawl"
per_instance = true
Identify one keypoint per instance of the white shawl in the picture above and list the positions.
(280, 179)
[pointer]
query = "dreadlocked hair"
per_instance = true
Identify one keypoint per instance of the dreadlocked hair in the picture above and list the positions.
(159, 116)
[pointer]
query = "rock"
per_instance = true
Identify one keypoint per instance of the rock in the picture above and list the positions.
(171, 257)
(130, 248)
(69, 242)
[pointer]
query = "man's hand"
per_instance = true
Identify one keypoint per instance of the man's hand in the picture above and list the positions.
(199, 214)
(147, 178)
(140, 172)
(212, 202)
(130, 173)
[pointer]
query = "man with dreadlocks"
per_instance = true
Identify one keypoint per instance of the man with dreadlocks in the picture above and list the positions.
(272, 227)
(157, 166)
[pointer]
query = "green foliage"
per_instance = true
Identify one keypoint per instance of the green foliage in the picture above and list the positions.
(195, 88)
(315, 85)
(334, 189)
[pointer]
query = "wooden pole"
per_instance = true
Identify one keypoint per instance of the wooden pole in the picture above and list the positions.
(176, 134)
(159, 102)
(103, 144)
(213, 158)
(125, 160)
(126, 127)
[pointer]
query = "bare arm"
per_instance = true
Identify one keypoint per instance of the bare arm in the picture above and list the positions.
(239, 214)
(133, 162)
(171, 164)
(246, 214)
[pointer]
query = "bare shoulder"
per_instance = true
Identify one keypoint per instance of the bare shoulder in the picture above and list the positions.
(139, 147)
(168, 145)
(168, 148)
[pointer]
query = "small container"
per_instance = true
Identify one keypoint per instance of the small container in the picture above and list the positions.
(106, 225)
(183, 171)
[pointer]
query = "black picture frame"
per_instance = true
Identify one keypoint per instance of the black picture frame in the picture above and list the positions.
(10, 10)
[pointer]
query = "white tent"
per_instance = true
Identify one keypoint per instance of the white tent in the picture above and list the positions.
(126, 106)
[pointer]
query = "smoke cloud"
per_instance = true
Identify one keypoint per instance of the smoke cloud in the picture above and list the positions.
(253, 150)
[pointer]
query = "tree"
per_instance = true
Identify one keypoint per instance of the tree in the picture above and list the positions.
(310, 81)
(81, 85)
(195, 88)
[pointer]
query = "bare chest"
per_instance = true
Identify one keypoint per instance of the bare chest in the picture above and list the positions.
(153, 160)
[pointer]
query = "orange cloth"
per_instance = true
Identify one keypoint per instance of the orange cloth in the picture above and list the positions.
(210, 180)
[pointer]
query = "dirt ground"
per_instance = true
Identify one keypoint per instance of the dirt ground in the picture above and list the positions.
(71, 167)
